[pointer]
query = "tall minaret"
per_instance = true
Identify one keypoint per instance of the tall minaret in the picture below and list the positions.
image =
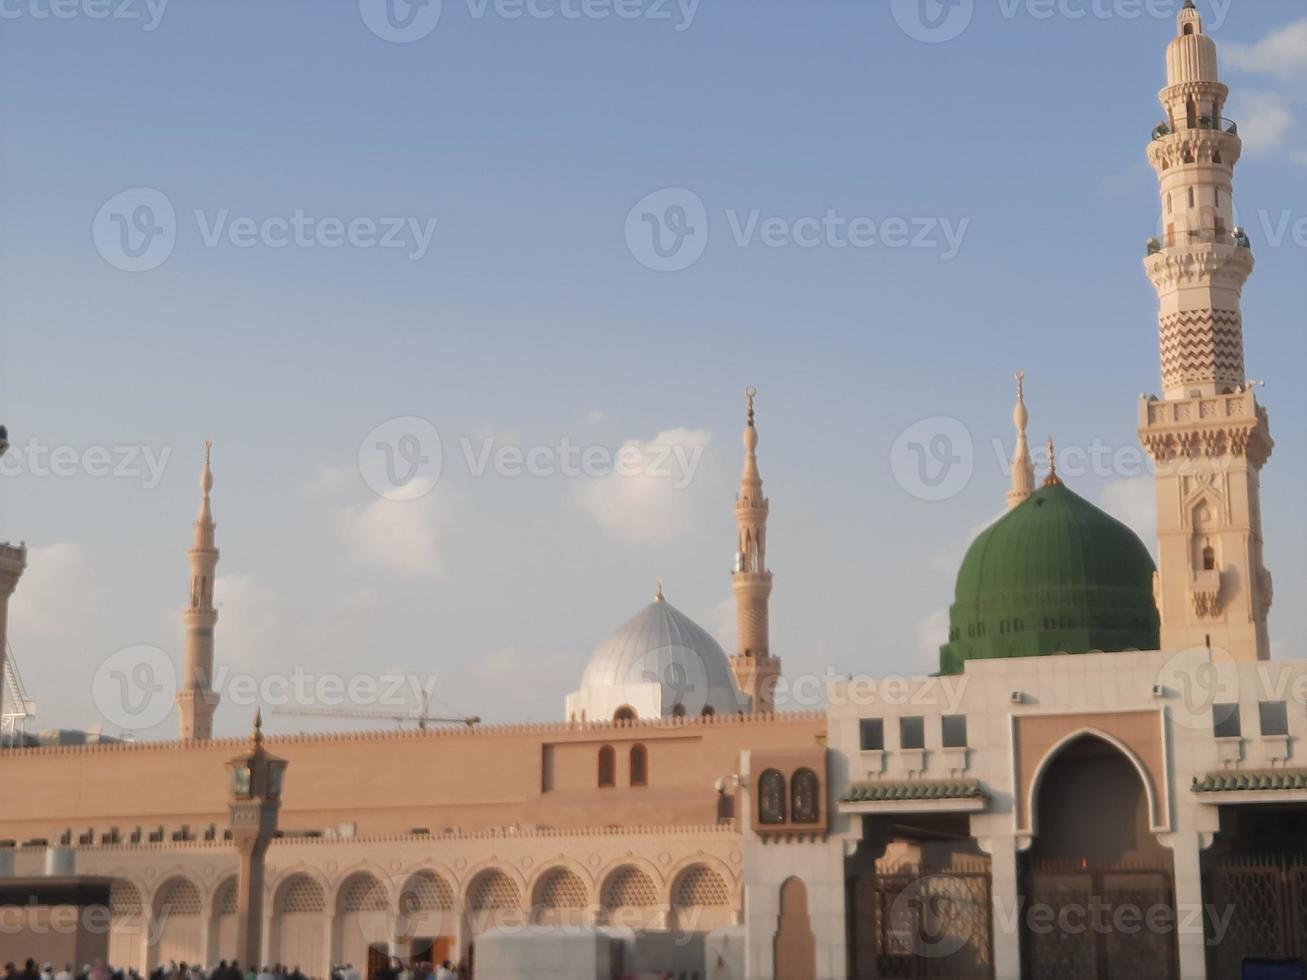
(756, 670)
(1023, 467)
(13, 559)
(1207, 435)
(197, 699)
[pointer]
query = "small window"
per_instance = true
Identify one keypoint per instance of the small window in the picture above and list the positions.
(804, 805)
(639, 766)
(1191, 194)
(1209, 559)
(1274, 717)
(708, 711)
(678, 711)
(607, 767)
(871, 732)
(771, 797)
(623, 714)
(1188, 29)
(912, 732)
(953, 729)
(1225, 721)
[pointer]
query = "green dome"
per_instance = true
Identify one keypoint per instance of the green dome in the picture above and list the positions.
(1053, 575)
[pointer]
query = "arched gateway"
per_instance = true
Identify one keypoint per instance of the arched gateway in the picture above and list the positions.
(1099, 892)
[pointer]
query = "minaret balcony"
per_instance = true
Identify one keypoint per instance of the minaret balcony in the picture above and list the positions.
(1200, 236)
(1219, 124)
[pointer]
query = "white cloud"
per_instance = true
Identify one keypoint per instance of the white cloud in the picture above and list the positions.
(400, 536)
(1134, 501)
(247, 619)
(56, 593)
(330, 479)
(649, 493)
(932, 633)
(1264, 120)
(1282, 53)
(722, 623)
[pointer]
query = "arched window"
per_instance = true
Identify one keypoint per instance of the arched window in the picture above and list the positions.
(771, 797)
(639, 766)
(1188, 29)
(708, 711)
(624, 713)
(1209, 559)
(678, 711)
(607, 767)
(804, 806)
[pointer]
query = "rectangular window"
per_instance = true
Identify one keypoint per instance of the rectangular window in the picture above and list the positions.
(1274, 716)
(1225, 721)
(954, 731)
(912, 732)
(871, 732)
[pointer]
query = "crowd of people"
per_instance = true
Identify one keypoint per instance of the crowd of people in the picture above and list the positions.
(99, 970)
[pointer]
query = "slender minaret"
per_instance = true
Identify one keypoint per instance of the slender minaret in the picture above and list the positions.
(13, 559)
(1207, 434)
(1023, 467)
(197, 699)
(756, 670)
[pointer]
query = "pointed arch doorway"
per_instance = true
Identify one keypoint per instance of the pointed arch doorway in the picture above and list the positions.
(1098, 885)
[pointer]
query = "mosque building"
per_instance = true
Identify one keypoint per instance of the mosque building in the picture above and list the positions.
(1103, 779)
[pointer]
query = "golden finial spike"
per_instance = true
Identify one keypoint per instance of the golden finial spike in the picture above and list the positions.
(658, 596)
(750, 393)
(1052, 480)
(1021, 386)
(258, 726)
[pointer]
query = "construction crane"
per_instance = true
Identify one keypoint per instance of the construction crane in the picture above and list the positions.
(18, 707)
(419, 716)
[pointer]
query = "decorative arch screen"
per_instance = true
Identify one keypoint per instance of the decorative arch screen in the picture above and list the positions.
(771, 797)
(805, 806)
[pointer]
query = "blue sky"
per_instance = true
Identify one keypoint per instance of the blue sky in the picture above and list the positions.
(1012, 155)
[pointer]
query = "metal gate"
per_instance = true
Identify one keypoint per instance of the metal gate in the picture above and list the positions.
(1087, 923)
(912, 923)
(1262, 902)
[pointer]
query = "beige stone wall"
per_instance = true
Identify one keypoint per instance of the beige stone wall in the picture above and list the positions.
(543, 776)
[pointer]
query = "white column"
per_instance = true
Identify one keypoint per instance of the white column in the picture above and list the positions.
(1187, 849)
(1005, 902)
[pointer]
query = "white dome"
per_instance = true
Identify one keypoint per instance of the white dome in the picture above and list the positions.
(658, 663)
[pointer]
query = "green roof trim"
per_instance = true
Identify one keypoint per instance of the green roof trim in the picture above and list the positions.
(1053, 575)
(1251, 781)
(913, 789)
